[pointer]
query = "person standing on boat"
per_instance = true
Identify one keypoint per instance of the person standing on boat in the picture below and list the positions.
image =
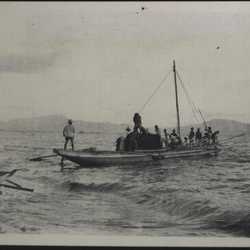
(138, 124)
(166, 135)
(157, 130)
(198, 136)
(158, 133)
(191, 136)
(209, 132)
(69, 134)
(137, 121)
(205, 137)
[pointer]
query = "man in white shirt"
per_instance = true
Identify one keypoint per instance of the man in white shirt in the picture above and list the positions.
(69, 134)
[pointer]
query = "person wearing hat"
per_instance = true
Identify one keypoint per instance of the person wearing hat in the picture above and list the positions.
(69, 134)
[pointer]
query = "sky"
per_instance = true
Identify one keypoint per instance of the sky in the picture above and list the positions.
(100, 61)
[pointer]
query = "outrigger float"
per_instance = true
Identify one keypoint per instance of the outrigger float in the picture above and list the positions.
(6, 183)
(88, 158)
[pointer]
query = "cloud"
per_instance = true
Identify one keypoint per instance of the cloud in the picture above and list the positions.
(18, 63)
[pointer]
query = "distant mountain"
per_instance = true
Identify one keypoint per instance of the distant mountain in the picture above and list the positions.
(48, 123)
(225, 126)
(55, 123)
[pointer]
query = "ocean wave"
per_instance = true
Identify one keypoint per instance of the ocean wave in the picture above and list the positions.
(233, 222)
(93, 187)
(173, 203)
(191, 209)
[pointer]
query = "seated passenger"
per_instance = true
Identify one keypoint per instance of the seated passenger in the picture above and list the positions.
(120, 144)
(131, 141)
(174, 139)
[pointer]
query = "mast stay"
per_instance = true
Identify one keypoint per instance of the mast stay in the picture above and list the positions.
(195, 109)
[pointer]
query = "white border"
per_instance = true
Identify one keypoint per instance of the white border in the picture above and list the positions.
(81, 240)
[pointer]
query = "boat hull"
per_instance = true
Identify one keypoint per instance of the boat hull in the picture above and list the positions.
(111, 158)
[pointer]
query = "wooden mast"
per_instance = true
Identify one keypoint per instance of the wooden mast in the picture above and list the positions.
(176, 102)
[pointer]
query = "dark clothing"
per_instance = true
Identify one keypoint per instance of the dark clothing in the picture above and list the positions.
(173, 134)
(143, 131)
(191, 135)
(198, 135)
(67, 139)
(137, 120)
(210, 133)
(214, 137)
(131, 141)
(174, 140)
(140, 130)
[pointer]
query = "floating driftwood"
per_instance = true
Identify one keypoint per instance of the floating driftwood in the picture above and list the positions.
(14, 185)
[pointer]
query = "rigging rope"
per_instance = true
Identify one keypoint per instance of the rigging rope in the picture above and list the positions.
(203, 118)
(194, 108)
(154, 92)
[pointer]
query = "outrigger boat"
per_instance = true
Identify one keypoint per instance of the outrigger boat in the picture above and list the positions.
(88, 158)
(111, 158)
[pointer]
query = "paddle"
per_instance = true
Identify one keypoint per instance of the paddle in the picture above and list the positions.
(42, 157)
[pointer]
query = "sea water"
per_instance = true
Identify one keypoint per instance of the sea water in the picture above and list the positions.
(201, 197)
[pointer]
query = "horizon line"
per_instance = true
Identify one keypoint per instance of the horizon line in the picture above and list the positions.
(114, 123)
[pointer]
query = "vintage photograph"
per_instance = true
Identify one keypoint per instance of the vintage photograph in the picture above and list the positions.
(125, 119)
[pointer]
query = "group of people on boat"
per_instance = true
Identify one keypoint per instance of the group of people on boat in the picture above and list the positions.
(141, 138)
(172, 140)
(197, 138)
